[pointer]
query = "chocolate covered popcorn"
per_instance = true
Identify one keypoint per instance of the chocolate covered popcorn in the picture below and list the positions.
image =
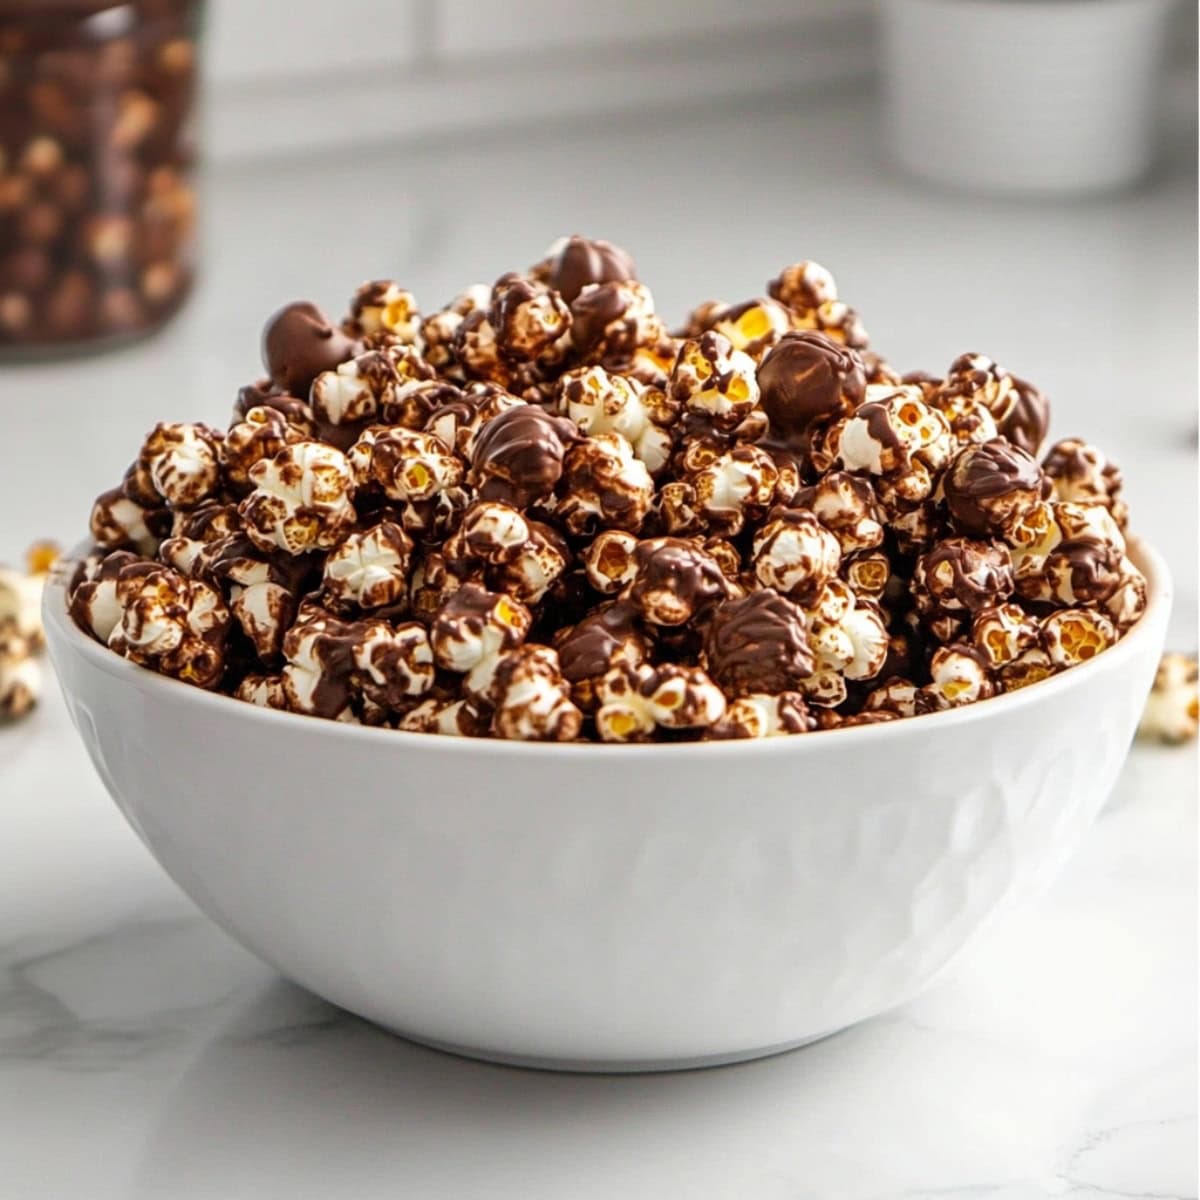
(21, 634)
(535, 514)
(1172, 711)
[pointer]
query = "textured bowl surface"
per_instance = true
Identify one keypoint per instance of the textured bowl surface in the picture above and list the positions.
(608, 907)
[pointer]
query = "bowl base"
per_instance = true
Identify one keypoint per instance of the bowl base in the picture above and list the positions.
(605, 1066)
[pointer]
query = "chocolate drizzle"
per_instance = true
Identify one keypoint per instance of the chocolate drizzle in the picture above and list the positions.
(758, 643)
(605, 636)
(985, 481)
(1028, 419)
(678, 572)
(598, 319)
(518, 455)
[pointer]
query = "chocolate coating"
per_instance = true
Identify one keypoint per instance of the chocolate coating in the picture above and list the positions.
(583, 261)
(518, 455)
(298, 343)
(808, 377)
(676, 581)
(959, 575)
(986, 481)
(1094, 567)
(1028, 420)
(758, 643)
(596, 317)
(602, 638)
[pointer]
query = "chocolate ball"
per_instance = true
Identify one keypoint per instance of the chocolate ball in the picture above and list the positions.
(298, 343)
(808, 378)
(758, 643)
(580, 261)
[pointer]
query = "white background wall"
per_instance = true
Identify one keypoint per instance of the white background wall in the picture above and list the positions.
(305, 74)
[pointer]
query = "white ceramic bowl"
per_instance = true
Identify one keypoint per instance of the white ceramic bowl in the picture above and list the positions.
(608, 907)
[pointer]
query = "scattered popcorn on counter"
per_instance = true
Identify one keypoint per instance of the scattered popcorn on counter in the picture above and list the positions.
(21, 633)
(538, 514)
(1171, 713)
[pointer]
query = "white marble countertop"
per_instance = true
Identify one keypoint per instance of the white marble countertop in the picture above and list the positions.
(144, 1055)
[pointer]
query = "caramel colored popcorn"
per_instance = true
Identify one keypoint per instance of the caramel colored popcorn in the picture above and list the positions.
(535, 514)
(1073, 635)
(753, 326)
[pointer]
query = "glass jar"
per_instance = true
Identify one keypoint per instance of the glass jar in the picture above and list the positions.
(97, 201)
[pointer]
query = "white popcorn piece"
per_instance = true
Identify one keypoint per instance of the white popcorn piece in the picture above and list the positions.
(532, 700)
(404, 464)
(179, 463)
(20, 676)
(383, 306)
(803, 285)
(759, 715)
(610, 561)
(795, 554)
(473, 629)
(959, 676)
(1171, 708)
(601, 402)
(895, 435)
(369, 568)
(735, 486)
(715, 381)
(21, 603)
(637, 699)
(302, 499)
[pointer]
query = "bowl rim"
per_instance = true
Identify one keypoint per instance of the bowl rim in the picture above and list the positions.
(62, 631)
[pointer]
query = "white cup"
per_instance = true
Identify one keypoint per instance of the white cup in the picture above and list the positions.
(1049, 96)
